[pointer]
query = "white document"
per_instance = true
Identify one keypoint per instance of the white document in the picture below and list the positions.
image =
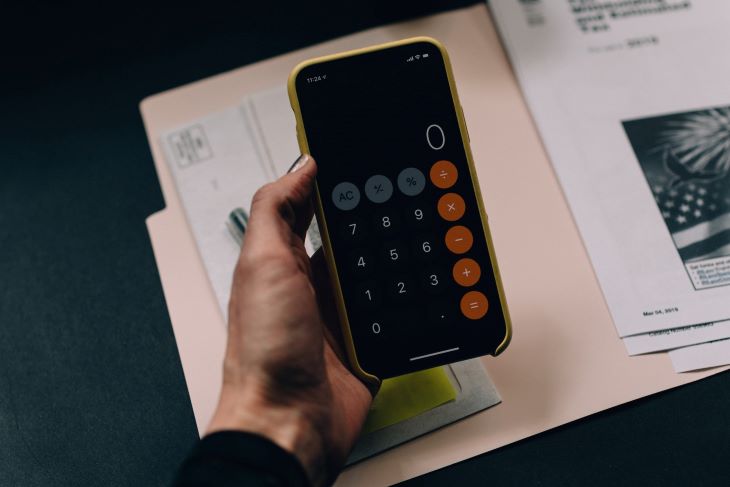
(632, 101)
(658, 341)
(703, 356)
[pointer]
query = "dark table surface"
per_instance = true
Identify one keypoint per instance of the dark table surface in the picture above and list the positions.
(91, 388)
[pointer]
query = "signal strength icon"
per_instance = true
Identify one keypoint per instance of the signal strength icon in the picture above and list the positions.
(409, 59)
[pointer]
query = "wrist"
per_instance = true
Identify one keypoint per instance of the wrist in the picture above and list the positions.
(287, 426)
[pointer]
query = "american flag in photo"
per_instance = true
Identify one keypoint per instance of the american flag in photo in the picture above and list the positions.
(691, 186)
(697, 215)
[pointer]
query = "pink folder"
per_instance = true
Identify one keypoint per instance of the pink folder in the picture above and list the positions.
(565, 360)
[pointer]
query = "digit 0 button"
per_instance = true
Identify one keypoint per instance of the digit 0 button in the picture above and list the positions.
(451, 207)
(466, 272)
(474, 305)
(346, 196)
(459, 239)
(444, 174)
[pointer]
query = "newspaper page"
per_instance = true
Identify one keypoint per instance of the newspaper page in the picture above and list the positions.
(632, 101)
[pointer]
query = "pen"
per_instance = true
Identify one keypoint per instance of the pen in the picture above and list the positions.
(236, 223)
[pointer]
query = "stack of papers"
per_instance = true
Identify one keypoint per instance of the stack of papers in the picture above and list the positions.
(632, 102)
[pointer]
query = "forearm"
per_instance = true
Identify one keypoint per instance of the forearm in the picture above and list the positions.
(235, 458)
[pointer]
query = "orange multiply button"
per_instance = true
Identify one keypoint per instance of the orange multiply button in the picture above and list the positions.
(474, 305)
(459, 239)
(451, 207)
(443, 174)
(466, 272)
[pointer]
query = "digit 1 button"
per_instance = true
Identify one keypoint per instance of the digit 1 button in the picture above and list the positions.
(346, 196)
(451, 207)
(367, 294)
(459, 239)
(466, 272)
(443, 174)
(474, 305)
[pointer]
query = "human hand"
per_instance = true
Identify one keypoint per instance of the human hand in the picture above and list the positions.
(283, 376)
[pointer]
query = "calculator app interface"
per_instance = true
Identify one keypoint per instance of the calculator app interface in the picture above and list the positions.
(400, 209)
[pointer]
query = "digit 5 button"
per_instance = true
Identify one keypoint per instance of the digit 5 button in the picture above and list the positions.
(474, 305)
(459, 239)
(451, 207)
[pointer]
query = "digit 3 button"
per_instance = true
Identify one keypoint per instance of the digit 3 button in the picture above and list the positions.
(443, 174)
(459, 239)
(346, 196)
(451, 207)
(378, 189)
(466, 272)
(474, 305)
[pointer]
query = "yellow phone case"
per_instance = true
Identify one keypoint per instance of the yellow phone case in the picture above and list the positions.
(326, 244)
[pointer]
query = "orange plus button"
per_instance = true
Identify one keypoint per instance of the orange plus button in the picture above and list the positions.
(474, 305)
(444, 174)
(459, 239)
(466, 272)
(451, 207)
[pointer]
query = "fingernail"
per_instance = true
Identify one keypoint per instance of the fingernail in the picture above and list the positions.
(299, 163)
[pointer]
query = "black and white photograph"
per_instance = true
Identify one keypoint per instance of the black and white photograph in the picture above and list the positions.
(685, 158)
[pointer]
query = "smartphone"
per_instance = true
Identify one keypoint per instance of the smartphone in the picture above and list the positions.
(399, 208)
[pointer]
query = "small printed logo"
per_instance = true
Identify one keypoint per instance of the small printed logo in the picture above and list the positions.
(189, 146)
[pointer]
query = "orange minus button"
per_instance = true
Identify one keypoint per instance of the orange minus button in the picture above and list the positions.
(459, 239)
(474, 305)
(451, 207)
(443, 174)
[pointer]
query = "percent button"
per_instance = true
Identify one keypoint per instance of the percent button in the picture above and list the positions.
(411, 181)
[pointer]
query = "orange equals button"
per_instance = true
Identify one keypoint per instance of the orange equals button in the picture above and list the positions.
(474, 305)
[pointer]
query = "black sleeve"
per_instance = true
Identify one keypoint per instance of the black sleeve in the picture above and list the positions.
(236, 458)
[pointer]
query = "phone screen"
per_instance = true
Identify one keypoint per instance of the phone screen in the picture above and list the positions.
(400, 209)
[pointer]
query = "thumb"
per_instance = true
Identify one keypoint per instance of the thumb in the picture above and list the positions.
(284, 206)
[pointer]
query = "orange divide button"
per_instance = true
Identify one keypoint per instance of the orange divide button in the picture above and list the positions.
(459, 239)
(466, 272)
(444, 174)
(474, 305)
(451, 207)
